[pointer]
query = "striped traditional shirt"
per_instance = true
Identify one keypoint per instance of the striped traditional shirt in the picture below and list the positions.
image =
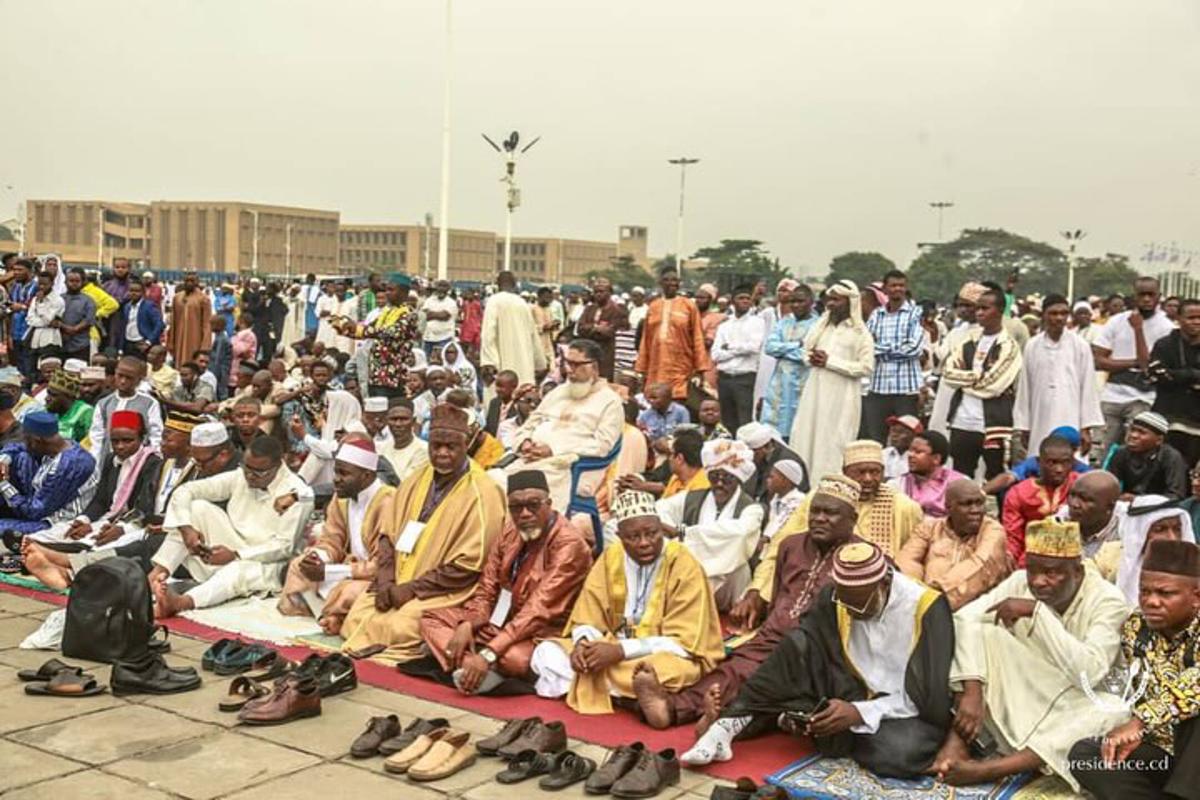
(898, 338)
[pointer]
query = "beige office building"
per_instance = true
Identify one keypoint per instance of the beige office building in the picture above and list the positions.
(72, 228)
(221, 237)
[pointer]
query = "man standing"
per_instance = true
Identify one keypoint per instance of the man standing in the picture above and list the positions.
(390, 334)
(440, 311)
(140, 323)
(510, 339)
(736, 348)
(21, 290)
(1175, 369)
(117, 287)
(545, 322)
(601, 320)
(1081, 322)
(711, 318)
(190, 313)
(1154, 754)
(1058, 381)
(983, 370)
(78, 317)
(896, 381)
(1122, 349)
(638, 307)
(525, 594)
(672, 349)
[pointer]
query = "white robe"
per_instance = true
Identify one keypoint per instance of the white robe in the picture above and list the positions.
(326, 303)
(510, 338)
(1057, 387)
(831, 403)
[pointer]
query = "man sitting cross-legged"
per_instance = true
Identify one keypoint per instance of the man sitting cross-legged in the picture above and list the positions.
(1156, 753)
(1026, 657)
(645, 605)
(803, 566)
(443, 521)
(865, 674)
(532, 576)
(232, 532)
(339, 567)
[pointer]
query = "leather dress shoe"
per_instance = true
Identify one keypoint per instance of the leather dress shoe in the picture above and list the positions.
(151, 675)
(619, 762)
(379, 729)
(652, 773)
(447, 756)
(291, 699)
(506, 735)
(400, 762)
(415, 728)
(544, 738)
(744, 790)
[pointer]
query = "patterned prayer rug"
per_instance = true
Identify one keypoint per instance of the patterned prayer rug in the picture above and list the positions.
(819, 778)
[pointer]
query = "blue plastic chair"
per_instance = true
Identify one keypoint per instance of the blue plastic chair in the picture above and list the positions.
(587, 505)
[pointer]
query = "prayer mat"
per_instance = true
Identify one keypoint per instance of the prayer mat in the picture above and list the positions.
(255, 618)
(28, 582)
(819, 778)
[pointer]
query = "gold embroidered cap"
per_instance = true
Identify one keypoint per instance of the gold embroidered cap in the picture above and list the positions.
(631, 505)
(863, 451)
(65, 382)
(841, 488)
(1053, 538)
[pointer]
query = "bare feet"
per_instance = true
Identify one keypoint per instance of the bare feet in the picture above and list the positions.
(292, 605)
(331, 624)
(954, 749)
(653, 699)
(42, 568)
(167, 603)
(712, 709)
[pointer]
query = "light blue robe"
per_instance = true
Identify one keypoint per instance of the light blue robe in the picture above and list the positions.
(785, 344)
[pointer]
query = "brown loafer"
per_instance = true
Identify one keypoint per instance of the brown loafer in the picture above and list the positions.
(506, 735)
(544, 738)
(614, 768)
(652, 773)
(290, 700)
(448, 755)
(400, 762)
(378, 730)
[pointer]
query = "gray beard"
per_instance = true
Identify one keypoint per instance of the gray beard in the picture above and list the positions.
(529, 535)
(578, 391)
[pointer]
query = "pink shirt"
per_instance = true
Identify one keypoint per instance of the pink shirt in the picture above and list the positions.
(244, 344)
(930, 492)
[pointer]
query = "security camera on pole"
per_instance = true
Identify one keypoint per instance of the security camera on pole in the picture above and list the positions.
(512, 193)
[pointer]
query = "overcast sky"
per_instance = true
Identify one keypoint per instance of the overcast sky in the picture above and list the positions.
(822, 126)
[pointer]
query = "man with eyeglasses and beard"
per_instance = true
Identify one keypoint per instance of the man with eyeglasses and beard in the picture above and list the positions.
(865, 673)
(530, 581)
(582, 418)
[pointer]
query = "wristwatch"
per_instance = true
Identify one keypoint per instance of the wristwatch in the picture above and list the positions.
(487, 655)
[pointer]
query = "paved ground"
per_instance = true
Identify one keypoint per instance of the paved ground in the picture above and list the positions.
(181, 746)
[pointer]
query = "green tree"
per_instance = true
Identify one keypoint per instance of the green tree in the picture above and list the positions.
(936, 279)
(987, 254)
(624, 274)
(736, 261)
(1104, 276)
(862, 268)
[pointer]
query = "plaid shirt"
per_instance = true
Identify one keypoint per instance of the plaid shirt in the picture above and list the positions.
(898, 340)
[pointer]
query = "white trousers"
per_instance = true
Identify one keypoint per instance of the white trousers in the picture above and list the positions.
(553, 668)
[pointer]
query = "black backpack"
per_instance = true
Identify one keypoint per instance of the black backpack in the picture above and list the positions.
(110, 614)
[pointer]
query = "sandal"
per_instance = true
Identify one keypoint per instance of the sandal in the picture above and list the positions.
(48, 670)
(67, 684)
(13, 564)
(240, 658)
(271, 666)
(242, 690)
(209, 659)
(568, 768)
(528, 764)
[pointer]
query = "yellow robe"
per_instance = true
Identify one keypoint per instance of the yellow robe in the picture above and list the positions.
(681, 606)
(458, 532)
(889, 532)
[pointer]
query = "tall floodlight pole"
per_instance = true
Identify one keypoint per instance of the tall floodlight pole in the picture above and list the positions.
(443, 266)
(288, 249)
(99, 238)
(683, 163)
(1073, 238)
(428, 243)
(254, 256)
(512, 194)
(941, 206)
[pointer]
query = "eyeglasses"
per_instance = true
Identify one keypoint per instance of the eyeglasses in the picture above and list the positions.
(251, 472)
(532, 506)
(574, 365)
(858, 612)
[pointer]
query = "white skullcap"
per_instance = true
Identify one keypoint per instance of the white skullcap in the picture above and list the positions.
(374, 405)
(209, 434)
(1082, 305)
(790, 468)
(631, 505)
(74, 365)
(92, 374)
(729, 455)
(359, 453)
(755, 434)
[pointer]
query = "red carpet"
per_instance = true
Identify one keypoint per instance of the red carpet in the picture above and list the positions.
(755, 759)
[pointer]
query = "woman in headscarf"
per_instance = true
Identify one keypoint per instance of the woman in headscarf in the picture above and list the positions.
(1150, 517)
(840, 351)
(341, 409)
(52, 263)
(455, 360)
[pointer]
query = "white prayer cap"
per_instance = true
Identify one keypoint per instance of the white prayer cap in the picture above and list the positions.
(374, 405)
(49, 361)
(209, 434)
(1082, 305)
(755, 434)
(631, 505)
(790, 468)
(637, 290)
(92, 374)
(729, 455)
(74, 365)
(360, 453)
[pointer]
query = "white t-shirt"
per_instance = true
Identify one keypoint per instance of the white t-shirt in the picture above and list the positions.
(437, 330)
(1117, 336)
(969, 416)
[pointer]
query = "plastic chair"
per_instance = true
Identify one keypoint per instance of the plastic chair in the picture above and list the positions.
(587, 505)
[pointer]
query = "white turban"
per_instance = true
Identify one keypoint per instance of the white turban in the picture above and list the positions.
(728, 455)
(755, 435)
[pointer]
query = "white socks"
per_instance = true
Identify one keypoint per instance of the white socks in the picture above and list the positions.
(717, 742)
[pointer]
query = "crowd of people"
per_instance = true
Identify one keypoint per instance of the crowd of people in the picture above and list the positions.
(936, 537)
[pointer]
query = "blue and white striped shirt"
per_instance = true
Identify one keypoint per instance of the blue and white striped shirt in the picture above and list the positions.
(898, 338)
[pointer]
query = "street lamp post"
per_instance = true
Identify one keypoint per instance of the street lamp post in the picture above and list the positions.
(288, 249)
(254, 256)
(941, 206)
(1073, 238)
(512, 193)
(443, 266)
(682, 162)
(99, 238)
